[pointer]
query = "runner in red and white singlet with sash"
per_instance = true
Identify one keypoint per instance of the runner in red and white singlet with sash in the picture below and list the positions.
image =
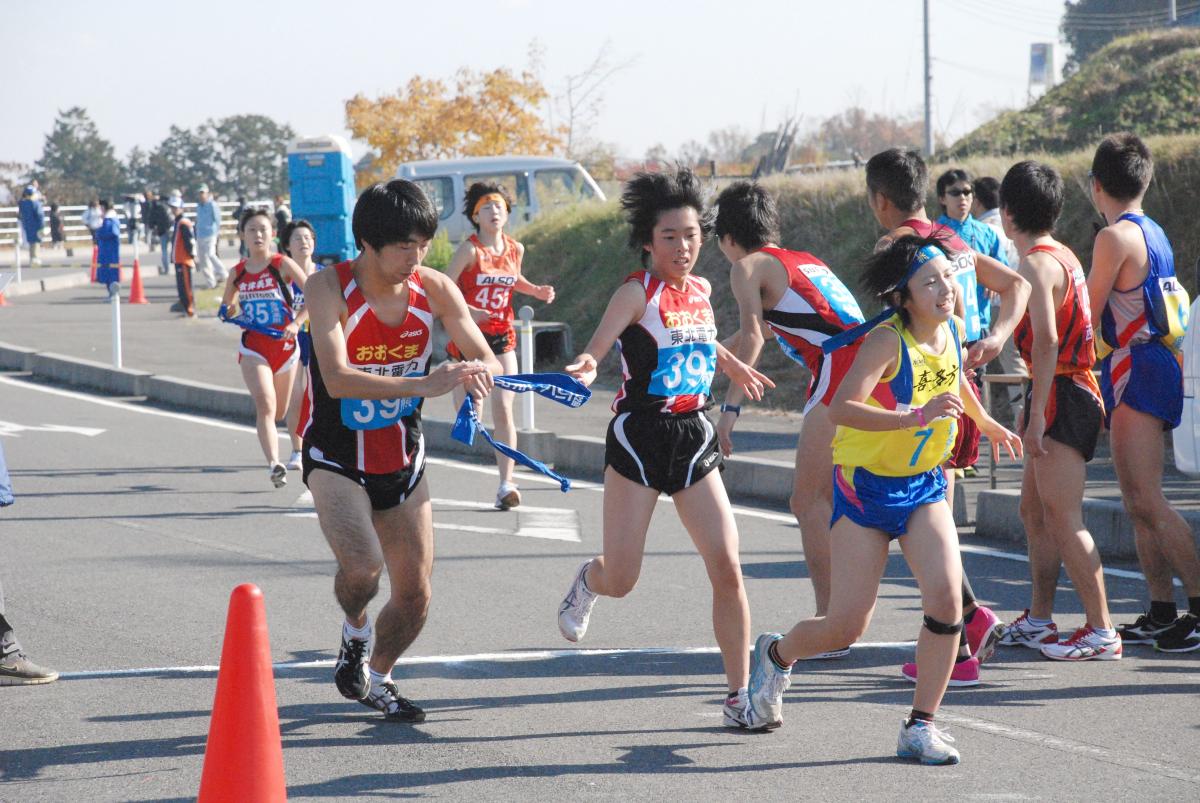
(261, 286)
(799, 300)
(660, 440)
(371, 321)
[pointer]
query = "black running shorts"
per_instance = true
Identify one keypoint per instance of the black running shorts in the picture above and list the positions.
(385, 491)
(1073, 415)
(664, 452)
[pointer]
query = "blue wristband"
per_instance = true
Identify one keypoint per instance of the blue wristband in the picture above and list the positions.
(736, 409)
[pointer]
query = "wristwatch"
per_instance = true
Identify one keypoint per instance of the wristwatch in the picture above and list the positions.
(736, 409)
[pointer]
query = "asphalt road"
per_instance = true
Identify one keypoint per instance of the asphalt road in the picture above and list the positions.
(133, 525)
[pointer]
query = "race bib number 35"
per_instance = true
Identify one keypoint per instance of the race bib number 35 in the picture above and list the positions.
(265, 312)
(361, 414)
(684, 370)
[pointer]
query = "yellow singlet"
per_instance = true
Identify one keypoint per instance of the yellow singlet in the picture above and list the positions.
(919, 376)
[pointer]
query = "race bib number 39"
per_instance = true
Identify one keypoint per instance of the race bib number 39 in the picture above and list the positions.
(684, 370)
(361, 414)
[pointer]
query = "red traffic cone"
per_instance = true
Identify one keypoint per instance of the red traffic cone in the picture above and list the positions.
(137, 295)
(243, 759)
(95, 258)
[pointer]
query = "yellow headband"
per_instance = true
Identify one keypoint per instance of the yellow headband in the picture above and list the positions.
(487, 199)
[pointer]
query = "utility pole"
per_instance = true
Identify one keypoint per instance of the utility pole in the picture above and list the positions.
(1174, 16)
(928, 89)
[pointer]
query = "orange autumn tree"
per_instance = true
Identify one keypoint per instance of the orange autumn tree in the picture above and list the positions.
(488, 114)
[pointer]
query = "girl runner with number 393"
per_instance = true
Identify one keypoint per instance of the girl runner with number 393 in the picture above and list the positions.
(660, 440)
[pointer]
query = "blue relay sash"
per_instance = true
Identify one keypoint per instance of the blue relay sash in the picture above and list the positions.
(561, 388)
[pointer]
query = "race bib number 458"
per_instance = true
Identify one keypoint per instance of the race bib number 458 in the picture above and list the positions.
(684, 370)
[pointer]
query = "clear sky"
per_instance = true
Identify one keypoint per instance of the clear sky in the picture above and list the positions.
(697, 66)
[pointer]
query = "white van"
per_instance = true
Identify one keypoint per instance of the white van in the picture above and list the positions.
(537, 183)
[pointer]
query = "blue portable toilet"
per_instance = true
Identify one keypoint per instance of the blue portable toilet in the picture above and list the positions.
(321, 173)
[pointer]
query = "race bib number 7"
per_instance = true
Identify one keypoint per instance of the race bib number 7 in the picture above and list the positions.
(684, 370)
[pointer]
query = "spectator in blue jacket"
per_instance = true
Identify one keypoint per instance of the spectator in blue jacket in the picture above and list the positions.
(208, 230)
(108, 245)
(955, 194)
(33, 218)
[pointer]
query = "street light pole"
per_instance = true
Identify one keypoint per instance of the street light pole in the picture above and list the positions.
(928, 89)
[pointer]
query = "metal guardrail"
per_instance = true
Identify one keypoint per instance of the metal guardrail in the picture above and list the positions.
(74, 230)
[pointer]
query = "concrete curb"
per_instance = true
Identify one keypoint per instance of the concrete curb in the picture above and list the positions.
(63, 281)
(579, 456)
(998, 517)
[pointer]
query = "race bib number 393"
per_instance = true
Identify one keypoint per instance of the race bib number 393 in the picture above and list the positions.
(362, 414)
(684, 370)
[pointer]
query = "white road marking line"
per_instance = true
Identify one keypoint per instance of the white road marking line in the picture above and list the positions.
(11, 429)
(515, 656)
(472, 504)
(441, 461)
(1044, 740)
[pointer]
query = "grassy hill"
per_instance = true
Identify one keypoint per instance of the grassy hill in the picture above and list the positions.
(1148, 83)
(582, 250)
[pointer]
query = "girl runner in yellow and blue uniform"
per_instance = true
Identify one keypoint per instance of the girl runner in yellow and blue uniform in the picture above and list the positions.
(897, 413)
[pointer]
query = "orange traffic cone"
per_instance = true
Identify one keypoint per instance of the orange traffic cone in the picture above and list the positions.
(95, 259)
(243, 759)
(3, 300)
(137, 295)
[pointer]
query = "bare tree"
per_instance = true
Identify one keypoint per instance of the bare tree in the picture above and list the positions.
(581, 99)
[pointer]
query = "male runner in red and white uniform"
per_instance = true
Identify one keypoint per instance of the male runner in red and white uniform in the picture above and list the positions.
(371, 321)
(798, 299)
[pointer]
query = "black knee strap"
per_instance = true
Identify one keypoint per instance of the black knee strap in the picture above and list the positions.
(941, 628)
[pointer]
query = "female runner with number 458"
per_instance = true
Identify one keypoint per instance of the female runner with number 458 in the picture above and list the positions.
(660, 440)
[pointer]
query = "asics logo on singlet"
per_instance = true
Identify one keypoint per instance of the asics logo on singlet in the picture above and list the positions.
(485, 280)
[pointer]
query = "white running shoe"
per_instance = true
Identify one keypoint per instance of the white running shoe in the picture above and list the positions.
(576, 607)
(1085, 645)
(278, 475)
(735, 709)
(295, 462)
(767, 685)
(924, 742)
(1022, 633)
(507, 497)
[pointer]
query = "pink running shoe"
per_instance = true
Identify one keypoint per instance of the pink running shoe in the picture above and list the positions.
(966, 673)
(983, 633)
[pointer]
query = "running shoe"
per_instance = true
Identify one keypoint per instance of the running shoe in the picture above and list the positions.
(1085, 645)
(295, 462)
(1020, 633)
(1144, 630)
(576, 607)
(1183, 636)
(735, 709)
(507, 497)
(767, 684)
(924, 742)
(983, 632)
(966, 673)
(394, 707)
(17, 670)
(840, 652)
(278, 475)
(350, 674)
